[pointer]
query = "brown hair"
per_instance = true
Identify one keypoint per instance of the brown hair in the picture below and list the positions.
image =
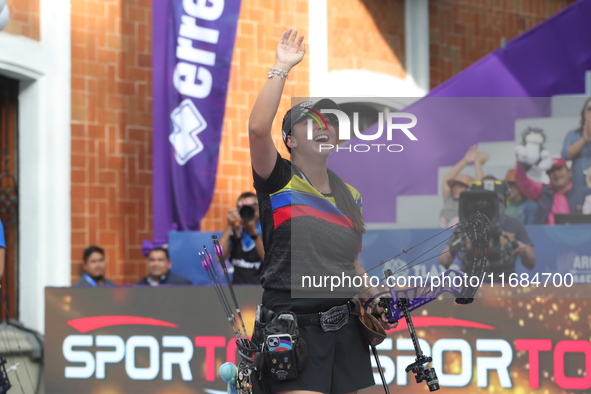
(345, 201)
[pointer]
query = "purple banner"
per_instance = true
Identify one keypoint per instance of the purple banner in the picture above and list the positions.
(192, 51)
(544, 61)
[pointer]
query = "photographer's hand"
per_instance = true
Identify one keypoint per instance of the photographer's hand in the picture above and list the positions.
(250, 227)
(526, 252)
(233, 218)
(521, 249)
(252, 230)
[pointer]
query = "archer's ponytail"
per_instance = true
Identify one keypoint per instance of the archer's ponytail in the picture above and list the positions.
(345, 201)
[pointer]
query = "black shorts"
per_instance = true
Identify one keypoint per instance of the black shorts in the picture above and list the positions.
(338, 361)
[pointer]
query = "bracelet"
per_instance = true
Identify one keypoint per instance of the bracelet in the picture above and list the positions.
(276, 71)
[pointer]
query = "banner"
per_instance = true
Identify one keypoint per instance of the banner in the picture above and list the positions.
(124, 340)
(192, 53)
(561, 250)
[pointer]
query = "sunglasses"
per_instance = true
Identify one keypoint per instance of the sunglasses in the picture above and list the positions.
(331, 119)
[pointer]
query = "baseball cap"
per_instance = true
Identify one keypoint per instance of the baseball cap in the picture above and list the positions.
(299, 112)
(557, 162)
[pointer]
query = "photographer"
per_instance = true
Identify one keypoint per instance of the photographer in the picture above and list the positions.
(242, 242)
(509, 238)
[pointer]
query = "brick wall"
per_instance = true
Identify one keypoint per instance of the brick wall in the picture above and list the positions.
(368, 35)
(112, 133)
(112, 104)
(463, 31)
(24, 18)
(260, 25)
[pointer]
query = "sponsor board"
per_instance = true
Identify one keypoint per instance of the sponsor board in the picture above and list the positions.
(173, 340)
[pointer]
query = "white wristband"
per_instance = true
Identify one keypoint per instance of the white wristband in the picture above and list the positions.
(276, 71)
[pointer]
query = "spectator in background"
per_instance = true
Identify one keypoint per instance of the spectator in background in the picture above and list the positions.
(518, 206)
(159, 272)
(453, 184)
(577, 147)
(94, 269)
(2, 250)
(559, 197)
(242, 242)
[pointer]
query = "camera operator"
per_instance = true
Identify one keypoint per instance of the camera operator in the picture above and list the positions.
(242, 242)
(509, 238)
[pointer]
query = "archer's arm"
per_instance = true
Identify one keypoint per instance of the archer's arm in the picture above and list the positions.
(263, 154)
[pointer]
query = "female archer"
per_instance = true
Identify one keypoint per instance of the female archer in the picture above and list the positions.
(312, 227)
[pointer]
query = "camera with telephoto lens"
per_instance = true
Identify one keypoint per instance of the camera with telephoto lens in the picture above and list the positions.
(246, 213)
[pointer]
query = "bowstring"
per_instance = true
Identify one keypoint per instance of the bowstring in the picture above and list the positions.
(404, 251)
(410, 264)
(405, 267)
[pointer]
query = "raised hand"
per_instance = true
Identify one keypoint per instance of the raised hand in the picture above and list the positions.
(481, 157)
(289, 50)
(472, 154)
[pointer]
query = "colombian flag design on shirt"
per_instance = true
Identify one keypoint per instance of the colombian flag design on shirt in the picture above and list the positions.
(299, 198)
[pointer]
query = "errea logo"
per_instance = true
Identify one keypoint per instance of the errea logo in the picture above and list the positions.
(187, 123)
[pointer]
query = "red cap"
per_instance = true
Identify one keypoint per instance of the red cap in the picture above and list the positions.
(557, 162)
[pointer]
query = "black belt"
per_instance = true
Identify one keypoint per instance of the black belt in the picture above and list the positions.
(330, 320)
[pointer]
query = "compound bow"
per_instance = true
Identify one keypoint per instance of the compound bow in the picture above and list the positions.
(397, 303)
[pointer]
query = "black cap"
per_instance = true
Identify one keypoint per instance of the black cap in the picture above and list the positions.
(298, 112)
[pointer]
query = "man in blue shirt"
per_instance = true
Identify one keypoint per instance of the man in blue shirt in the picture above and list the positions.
(241, 241)
(2, 250)
(94, 269)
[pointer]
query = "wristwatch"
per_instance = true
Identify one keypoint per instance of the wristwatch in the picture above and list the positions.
(254, 236)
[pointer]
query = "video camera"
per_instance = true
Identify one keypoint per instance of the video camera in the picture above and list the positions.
(487, 197)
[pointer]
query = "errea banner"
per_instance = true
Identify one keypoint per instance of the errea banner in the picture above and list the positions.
(193, 41)
(123, 340)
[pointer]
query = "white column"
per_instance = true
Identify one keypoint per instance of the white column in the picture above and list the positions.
(44, 71)
(416, 22)
(317, 46)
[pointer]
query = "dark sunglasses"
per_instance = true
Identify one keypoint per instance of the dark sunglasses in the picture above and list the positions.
(331, 119)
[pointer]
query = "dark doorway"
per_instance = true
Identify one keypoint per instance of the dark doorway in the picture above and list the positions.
(9, 194)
